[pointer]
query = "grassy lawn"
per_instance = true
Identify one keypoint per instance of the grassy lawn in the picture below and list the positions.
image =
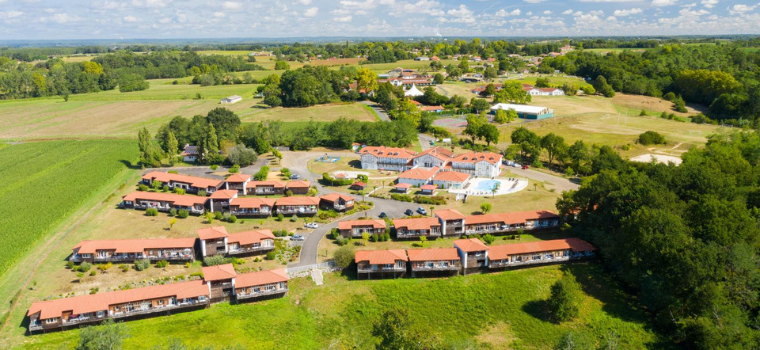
(508, 306)
(320, 113)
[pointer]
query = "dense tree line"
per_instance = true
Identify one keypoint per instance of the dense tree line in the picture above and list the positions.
(684, 239)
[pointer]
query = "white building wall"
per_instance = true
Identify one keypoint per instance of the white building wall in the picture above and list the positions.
(413, 182)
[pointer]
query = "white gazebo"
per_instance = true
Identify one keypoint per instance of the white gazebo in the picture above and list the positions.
(413, 92)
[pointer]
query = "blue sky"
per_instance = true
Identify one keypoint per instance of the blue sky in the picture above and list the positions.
(127, 19)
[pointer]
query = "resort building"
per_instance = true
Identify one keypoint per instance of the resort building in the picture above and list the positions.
(356, 228)
(191, 184)
(451, 179)
(417, 176)
(164, 201)
(386, 158)
(301, 206)
(261, 284)
(417, 227)
(402, 187)
(434, 157)
(129, 250)
(220, 281)
(246, 243)
(483, 164)
(221, 199)
(380, 263)
(510, 222)
(251, 207)
(265, 188)
(213, 240)
(473, 253)
(337, 201)
(238, 182)
(541, 252)
(452, 222)
(434, 261)
(298, 187)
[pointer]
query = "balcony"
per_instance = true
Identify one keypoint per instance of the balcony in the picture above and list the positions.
(114, 258)
(261, 293)
(249, 250)
(449, 267)
(297, 211)
(381, 269)
(250, 213)
(414, 234)
(542, 260)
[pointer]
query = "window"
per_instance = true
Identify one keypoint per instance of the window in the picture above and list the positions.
(100, 314)
(160, 301)
(51, 320)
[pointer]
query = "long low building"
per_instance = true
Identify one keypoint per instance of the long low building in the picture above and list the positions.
(128, 250)
(525, 111)
(216, 240)
(467, 256)
(356, 228)
(452, 223)
(164, 201)
(156, 300)
(191, 184)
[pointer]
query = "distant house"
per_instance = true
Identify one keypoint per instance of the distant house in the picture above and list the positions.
(260, 284)
(428, 189)
(265, 188)
(413, 92)
(416, 227)
(231, 99)
(252, 207)
(190, 154)
(402, 187)
(336, 201)
(380, 263)
(298, 187)
(129, 250)
(546, 92)
(422, 58)
(215, 240)
(524, 111)
(301, 206)
(435, 109)
(358, 186)
(451, 179)
(355, 228)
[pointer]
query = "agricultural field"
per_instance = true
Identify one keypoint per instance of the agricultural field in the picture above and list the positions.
(321, 113)
(479, 314)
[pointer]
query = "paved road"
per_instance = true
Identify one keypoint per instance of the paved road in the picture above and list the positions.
(296, 162)
(560, 183)
(425, 141)
(378, 110)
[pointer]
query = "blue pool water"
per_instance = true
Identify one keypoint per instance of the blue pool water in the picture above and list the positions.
(486, 185)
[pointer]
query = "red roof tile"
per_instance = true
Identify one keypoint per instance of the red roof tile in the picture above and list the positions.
(298, 184)
(510, 218)
(224, 194)
(252, 202)
(387, 152)
(470, 245)
(250, 237)
(449, 214)
(275, 184)
(349, 224)
(451, 176)
(213, 232)
(261, 278)
(238, 178)
(132, 245)
(332, 197)
(501, 252)
(176, 199)
(297, 201)
(192, 180)
(416, 223)
(403, 185)
(380, 257)
(428, 187)
(432, 254)
(419, 173)
(474, 157)
(218, 272)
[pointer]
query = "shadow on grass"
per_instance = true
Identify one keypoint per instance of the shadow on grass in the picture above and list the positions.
(130, 165)
(538, 309)
(356, 164)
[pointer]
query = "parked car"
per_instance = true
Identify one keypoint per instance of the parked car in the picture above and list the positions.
(525, 166)
(383, 215)
(409, 212)
(297, 238)
(422, 211)
(311, 225)
(295, 177)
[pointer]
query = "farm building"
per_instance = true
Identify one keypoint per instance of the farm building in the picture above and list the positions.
(525, 112)
(231, 100)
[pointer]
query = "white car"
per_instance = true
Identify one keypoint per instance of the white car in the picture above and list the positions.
(311, 225)
(297, 238)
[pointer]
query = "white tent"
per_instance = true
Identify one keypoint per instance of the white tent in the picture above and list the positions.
(413, 92)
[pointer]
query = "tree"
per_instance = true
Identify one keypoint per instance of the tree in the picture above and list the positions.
(565, 299)
(423, 239)
(529, 142)
(108, 336)
(485, 208)
(172, 221)
(479, 105)
(489, 133)
(570, 89)
(490, 73)
(554, 145)
(225, 123)
(132, 82)
(438, 78)
(242, 155)
(511, 92)
(490, 90)
(474, 123)
(344, 256)
(365, 238)
(172, 147)
(210, 146)
(366, 79)
(394, 331)
(601, 85)
(281, 65)
(543, 83)
(148, 153)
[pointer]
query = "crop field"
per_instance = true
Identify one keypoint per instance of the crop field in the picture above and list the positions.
(321, 113)
(163, 89)
(491, 311)
(43, 182)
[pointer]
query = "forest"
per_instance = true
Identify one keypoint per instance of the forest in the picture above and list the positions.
(684, 239)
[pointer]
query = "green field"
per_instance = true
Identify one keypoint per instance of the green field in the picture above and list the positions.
(490, 311)
(163, 89)
(44, 182)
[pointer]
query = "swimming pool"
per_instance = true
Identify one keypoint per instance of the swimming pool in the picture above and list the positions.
(486, 185)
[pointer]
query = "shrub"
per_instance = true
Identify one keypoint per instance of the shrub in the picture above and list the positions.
(183, 213)
(173, 212)
(202, 193)
(215, 260)
(196, 274)
(344, 256)
(85, 266)
(375, 237)
(342, 241)
(179, 190)
(142, 264)
(232, 219)
(488, 239)
(486, 207)
(270, 256)
(643, 113)
(218, 215)
(70, 265)
(652, 138)
(280, 217)
(93, 273)
(105, 267)
(151, 212)
(262, 174)
(288, 193)
(142, 187)
(124, 267)
(156, 185)
(564, 302)
(161, 264)
(234, 169)
(165, 188)
(293, 218)
(80, 274)
(214, 167)
(280, 233)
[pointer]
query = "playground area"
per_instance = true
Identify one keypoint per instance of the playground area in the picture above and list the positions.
(491, 187)
(326, 159)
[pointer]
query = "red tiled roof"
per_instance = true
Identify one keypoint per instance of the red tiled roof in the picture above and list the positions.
(510, 218)
(432, 254)
(261, 278)
(332, 197)
(419, 173)
(224, 194)
(194, 181)
(470, 245)
(250, 237)
(403, 185)
(252, 202)
(176, 199)
(297, 201)
(500, 252)
(132, 245)
(474, 157)
(449, 214)
(416, 223)
(428, 187)
(438, 152)
(349, 224)
(275, 184)
(238, 178)
(431, 108)
(388, 152)
(451, 176)
(218, 272)
(359, 183)
(298, 184)
(213, 232)
(380, 257)
(100, 302)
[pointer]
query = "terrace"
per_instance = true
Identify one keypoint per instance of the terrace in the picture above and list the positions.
(262, 291)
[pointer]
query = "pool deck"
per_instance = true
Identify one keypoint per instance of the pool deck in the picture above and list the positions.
(507, 186)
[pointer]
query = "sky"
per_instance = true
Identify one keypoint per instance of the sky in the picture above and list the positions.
(175, 19)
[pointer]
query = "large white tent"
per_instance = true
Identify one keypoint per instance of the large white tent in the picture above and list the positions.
(413, 92)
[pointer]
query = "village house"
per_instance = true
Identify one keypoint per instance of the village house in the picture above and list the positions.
(252, 207)
(473, 254)
(238, 182)
(355, 228)
(265, 188)
(164, 201)
(250, 243)
(451, 179)
(358, 186)
(417, 176)
(483, 164)
(129, 250)
(298, 187)
(189, 154)
(220, 281)
(433, 157)
(380, 263)
(301, 206)
(386, 158)
(434, 261)
(510, 222)
(417, 227)
(336, 201)
(261, 284)
(190, 184)
(117, 305)
(541, 252)
(452, 222)
(221, 199)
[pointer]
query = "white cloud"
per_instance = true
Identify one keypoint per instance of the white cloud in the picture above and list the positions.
(709, 3)
(343, 19)
(304, 2)
(529, 13)
(661, 3)
(567, 12)
(130, 19)
(505, 13)
(219, 14)
(612, 18)
(231, 5)
(60, 18)
(311, 12)
(547, 12)
(164, 20)
(741, 9)
(624, 13)
(462, 11)
(534, 1)
(10, 14)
